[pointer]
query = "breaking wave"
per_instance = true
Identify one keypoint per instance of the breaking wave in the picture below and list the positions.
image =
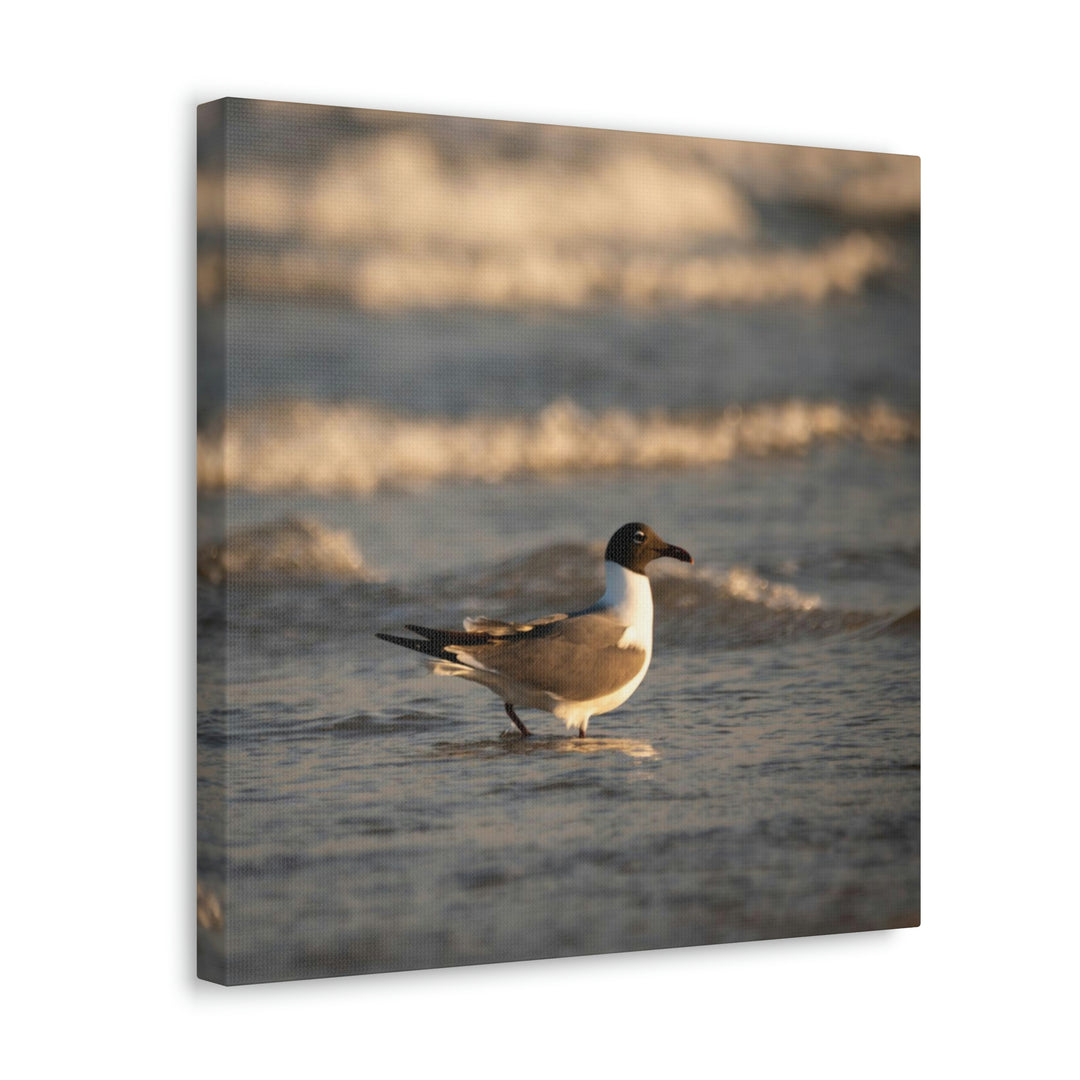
(358, 448)
(697, 605)
(434, 213)
(733, 606)
(290, 548)
(548, 277)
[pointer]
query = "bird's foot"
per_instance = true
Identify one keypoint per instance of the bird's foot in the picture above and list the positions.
(525, 732)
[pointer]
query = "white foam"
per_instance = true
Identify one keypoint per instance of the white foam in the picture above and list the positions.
(357, 448)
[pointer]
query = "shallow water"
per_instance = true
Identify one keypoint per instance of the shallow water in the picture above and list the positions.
(770, 791)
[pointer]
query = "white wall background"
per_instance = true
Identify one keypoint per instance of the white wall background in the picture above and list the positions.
(98, 450)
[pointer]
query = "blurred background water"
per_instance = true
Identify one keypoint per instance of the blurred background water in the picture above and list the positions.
(441, 360)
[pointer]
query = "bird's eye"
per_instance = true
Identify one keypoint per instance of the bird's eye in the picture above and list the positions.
(639, 537)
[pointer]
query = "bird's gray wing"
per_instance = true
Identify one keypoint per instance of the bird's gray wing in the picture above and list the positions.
(498, 628)
(577, 658)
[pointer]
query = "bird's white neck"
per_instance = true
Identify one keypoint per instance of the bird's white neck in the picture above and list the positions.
(629, 596)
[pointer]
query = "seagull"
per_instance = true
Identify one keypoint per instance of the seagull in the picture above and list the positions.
(574, 666)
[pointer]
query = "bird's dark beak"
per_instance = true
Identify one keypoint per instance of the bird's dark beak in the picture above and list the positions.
(672, 552)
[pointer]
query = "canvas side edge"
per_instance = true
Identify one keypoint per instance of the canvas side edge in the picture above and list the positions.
(211, 782)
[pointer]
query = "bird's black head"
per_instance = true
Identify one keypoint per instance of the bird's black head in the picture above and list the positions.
(636, 545)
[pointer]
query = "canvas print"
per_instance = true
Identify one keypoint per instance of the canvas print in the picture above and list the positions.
(558, 541)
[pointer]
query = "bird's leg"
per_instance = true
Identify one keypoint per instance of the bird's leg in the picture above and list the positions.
(581, 733)
(517, 723)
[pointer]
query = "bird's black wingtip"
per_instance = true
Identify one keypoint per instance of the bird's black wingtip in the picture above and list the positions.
(429, 648)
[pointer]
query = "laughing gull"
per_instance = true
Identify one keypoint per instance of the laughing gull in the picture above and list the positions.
(575, 666)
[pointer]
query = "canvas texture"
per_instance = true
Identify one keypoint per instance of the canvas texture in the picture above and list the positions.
(442, 362)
